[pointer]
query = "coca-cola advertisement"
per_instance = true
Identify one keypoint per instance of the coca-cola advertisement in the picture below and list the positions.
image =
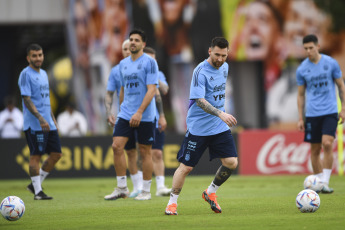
(271, 152)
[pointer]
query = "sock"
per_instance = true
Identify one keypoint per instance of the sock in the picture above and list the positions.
(135, 180)
(36, 182)
(319, 175)
(147, 185)
(173, 199)
(140, 180)
(43, 175)
(326, 174)
(121, 181)
(160, 181)
(212, 188)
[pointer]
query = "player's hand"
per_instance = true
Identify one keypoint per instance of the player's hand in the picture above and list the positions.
(135, 119)
(300, 125)
(111, 120)
(44, 125)
(341, 117)
(162, 124)
(228, 119)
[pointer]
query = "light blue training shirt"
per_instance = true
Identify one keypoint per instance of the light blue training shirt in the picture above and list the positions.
(135, 76)
(35, 85)
(161, 77)
(319, 81)
(208, 83)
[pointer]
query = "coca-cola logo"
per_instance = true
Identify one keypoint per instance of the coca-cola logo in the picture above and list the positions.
(276, 156)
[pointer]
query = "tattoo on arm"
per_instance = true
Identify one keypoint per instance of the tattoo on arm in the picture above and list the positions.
(207, 107)
(176, 191)
(159, 103)
(32, 108)
(108, 101)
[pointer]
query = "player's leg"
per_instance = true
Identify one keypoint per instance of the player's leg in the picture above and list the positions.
(315, 149)
(145, 136)
(189, 155)
(221, 146)
(132, 167)
(158, 164)
(329, 127)
(146, 156)
(120, 137)
(178, 181)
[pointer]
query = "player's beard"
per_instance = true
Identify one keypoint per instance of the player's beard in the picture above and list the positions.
(135, 50)
(217, 64)
(36, 64)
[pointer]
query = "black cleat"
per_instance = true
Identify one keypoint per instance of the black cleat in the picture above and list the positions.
(30, 188)
(42, 196)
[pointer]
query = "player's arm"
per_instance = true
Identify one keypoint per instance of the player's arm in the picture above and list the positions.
(108, 101)
(136, 118)
(52, 114)
(32, 108)
(208, 108)
(300, 106)
(163, 88)
(341, 89)
(162, 123)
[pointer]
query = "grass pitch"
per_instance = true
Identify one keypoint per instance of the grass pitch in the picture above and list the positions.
(248, 202)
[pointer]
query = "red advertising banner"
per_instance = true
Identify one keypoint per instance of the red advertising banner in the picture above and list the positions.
(271, 152)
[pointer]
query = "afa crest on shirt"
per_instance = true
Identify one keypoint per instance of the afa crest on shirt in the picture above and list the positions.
(325, 67)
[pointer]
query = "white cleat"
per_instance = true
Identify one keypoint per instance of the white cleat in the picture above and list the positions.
(163, 191)
(118, 193)
(143, 196)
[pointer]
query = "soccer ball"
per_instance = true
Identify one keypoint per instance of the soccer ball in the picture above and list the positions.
(12, 208)
(312, 182)
(308, 201)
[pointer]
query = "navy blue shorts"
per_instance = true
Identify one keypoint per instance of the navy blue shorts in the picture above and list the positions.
(159, 140)
(40, 142)
(145, 132)
(315, 127)
(221, 145)
(131, 143)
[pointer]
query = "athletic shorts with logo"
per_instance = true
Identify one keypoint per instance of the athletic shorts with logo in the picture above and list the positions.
(220, 145)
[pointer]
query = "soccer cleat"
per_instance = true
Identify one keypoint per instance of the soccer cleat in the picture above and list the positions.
(134, 193)
(171, 209)
(118, 193)
(326, 189)
(212, 200)
(31, 188)
(143, 196)
(42, 196)
(163, 191)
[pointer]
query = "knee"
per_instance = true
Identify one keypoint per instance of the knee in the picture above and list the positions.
(230, 162)
(116, 148)
(184, 169)
(327, 144)
(157, 155)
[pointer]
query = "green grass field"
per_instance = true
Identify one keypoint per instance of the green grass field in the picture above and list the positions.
(248, 202)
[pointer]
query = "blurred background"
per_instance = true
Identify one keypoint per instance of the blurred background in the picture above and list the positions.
(82, 39)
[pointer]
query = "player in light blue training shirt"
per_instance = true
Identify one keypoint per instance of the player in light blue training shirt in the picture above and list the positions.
(40, 126)
(316, 79)
(208, 126)
(139, 79)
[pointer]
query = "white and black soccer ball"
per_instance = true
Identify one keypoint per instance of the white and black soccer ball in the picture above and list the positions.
(308, 201)
(12, 208)
(313, 182)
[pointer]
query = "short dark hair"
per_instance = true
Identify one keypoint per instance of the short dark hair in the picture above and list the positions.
(140, 32)
(149, 50)
(35, 47)
(220, 42)
(310, 38)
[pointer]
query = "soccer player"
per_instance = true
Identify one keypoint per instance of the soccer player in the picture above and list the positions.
(157, 147)
(114, 84)
(316, 79)
(207, 126)
(139, 77)
(40, 126)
